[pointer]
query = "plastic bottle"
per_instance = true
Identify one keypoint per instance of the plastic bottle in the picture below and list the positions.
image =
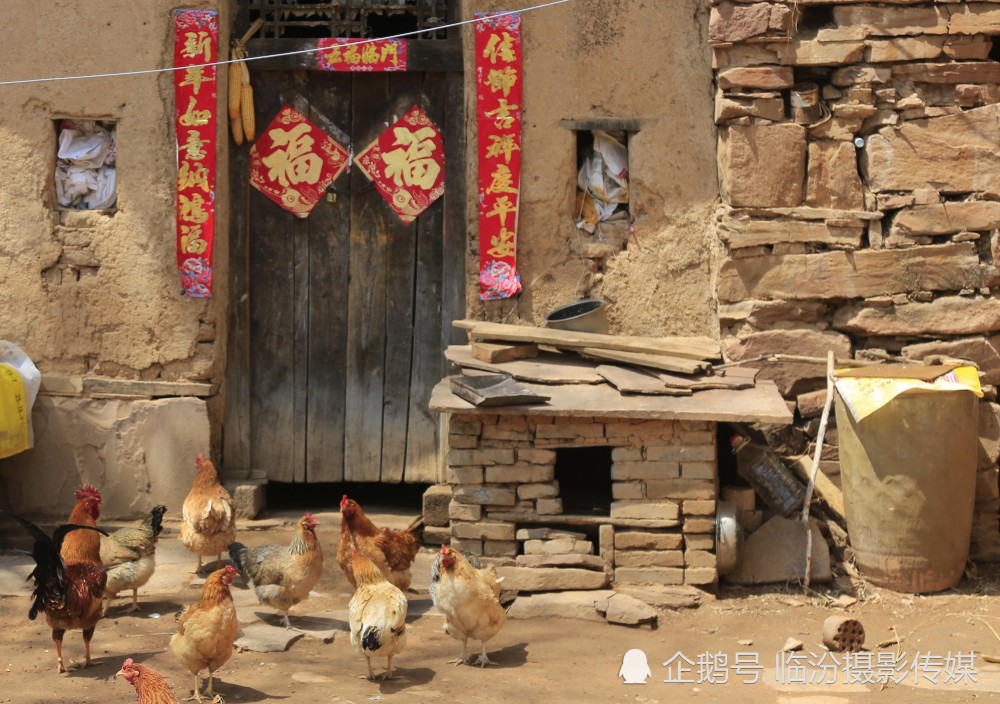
(767, 474)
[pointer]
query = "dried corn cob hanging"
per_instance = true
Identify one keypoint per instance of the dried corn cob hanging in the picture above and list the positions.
(241, 109)
(246, 104)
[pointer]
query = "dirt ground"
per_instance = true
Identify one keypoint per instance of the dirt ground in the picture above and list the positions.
(537, 660)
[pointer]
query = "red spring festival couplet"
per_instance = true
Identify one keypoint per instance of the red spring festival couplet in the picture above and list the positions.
(498, 117)
(195, 44)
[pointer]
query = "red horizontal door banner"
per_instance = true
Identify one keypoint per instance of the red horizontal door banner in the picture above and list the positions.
(498, 119)
(196, 34)
(361, 54)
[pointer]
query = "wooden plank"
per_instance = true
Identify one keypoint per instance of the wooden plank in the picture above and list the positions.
(329, 246)
(366, 296)
(236, 426)
(272, 328)
(456, 258)
(299, 234)
(761, 404)
(495, 353)
(422, 55)
(637, 381)
(434, 267)
(153, 389)
(401, 252)
(706, 381)
(547, 369)
(654, 361)
(688, 348)
(824, 487)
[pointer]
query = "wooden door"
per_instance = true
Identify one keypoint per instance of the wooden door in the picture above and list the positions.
(347, 311)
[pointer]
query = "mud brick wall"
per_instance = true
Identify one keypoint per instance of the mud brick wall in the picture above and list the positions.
(664, 484)
(873, 230)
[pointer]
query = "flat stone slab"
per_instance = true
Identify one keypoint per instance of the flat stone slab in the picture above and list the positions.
(626, 610)
(776, 552)
(14, 570)
(322, 625)
(670, 597)
(261, 638)
(579, 605)
(548, 579)
(587, 562)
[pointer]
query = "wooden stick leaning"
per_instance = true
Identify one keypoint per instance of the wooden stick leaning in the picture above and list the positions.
(815, 466)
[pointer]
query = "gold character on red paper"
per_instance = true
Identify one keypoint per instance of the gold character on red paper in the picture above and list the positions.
(503, 244)
(197, 43)
(195, 76)
(391, 50)
(192, 241)
(502, 48)
(504, 118)
(503, 180)
(192, 117)
(192, 176)
(297, 163)
(501, 79)
(334, 56)
(194, 145)
(502, 144)
(501, 209)
(369, 54)
(413, 163)
(193, 208)
(352, 55)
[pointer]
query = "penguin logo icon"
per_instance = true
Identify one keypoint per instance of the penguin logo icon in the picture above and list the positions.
(635, 667)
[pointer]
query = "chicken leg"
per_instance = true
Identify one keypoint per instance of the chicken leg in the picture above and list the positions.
(371, 673)
(464, 658)
(196, 696)
(87, 635)
(135, 601)
(388, 670)
(482, 659)
(57, 638)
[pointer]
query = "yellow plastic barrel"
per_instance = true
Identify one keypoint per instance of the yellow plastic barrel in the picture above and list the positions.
(909, 480)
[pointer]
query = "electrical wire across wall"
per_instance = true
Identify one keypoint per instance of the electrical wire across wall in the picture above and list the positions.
(313, 50)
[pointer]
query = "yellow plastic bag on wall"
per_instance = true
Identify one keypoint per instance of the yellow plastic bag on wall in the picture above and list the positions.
(14, 412)
(20, 381)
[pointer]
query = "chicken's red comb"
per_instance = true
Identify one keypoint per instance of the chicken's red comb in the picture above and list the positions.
(444, 548)
(87, 491)
(343, 501)
(128, 663)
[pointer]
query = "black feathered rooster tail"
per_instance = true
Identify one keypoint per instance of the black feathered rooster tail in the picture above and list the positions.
(49, 572)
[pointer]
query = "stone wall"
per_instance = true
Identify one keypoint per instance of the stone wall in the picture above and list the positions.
(871, 227)
(664, 486)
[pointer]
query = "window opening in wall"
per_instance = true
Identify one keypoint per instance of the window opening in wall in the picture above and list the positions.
(994, 54)
(602, 184)
(85, 176)
(584, 478)
(304, 19)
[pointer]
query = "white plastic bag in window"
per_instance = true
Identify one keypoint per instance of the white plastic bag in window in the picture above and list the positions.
(85, 149)
(603, 178)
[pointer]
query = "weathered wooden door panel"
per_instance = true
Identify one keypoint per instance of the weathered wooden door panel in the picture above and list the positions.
(277, 333)
(329, 244)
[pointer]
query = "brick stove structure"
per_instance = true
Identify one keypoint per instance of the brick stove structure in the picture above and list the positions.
(649, 466)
